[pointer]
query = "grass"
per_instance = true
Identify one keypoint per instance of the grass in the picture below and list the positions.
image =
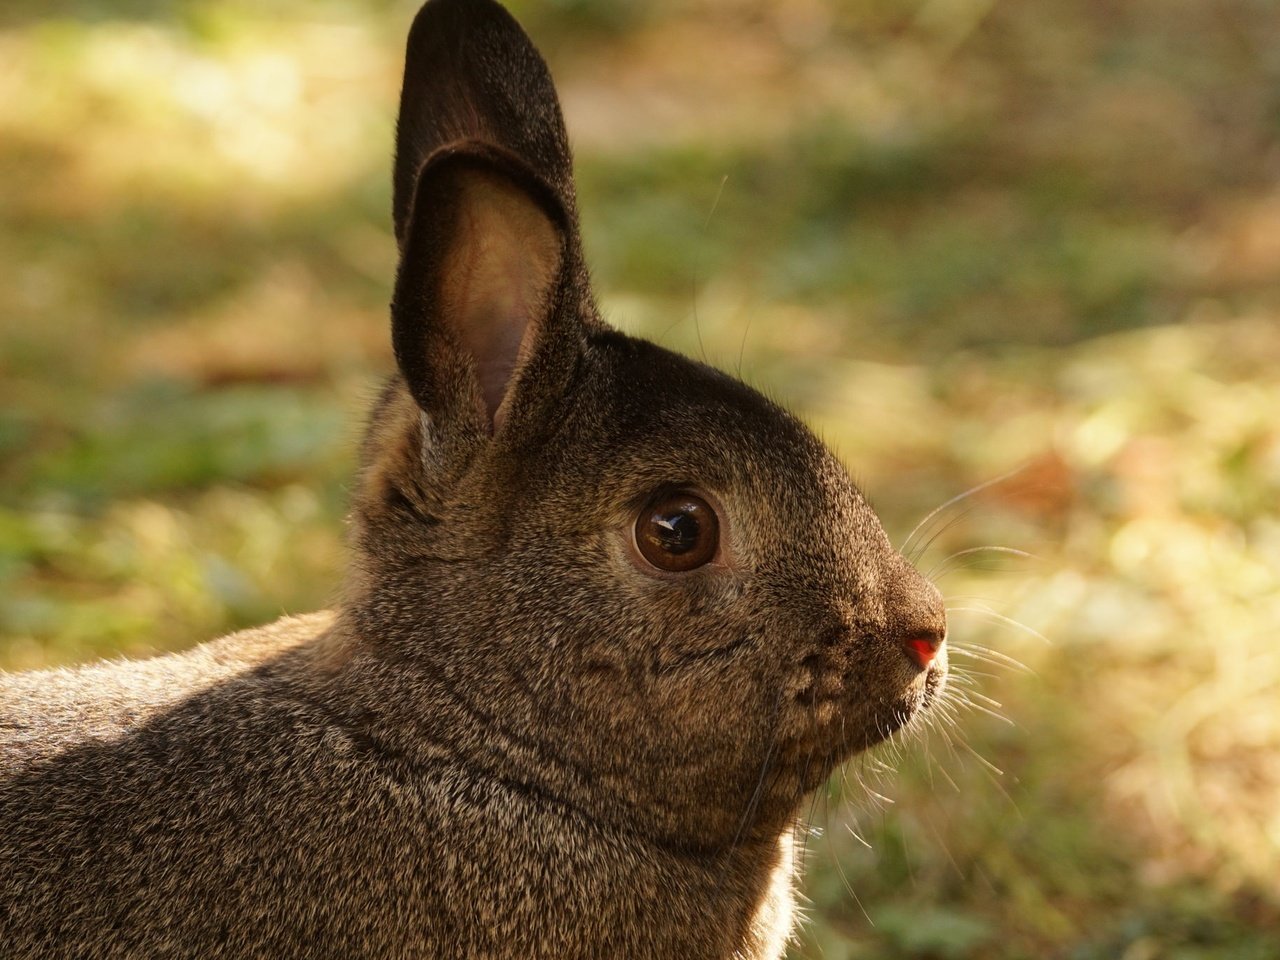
(960, 237)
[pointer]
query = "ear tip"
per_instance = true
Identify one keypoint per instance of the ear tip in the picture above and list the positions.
(473, 74)
(442, 27)
(442, 20)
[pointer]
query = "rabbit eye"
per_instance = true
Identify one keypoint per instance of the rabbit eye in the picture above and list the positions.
(678, 532)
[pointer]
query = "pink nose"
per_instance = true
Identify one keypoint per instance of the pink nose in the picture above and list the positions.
(923, 647)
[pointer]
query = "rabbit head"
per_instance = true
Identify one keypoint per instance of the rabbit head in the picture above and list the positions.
(647, 590)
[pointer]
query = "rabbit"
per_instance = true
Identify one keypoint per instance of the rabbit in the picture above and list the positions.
(611, 616)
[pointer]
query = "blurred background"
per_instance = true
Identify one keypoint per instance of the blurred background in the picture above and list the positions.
(961, 237)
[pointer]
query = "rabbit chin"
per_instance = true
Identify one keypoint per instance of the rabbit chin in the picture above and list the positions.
(905, 710)
(839, 725)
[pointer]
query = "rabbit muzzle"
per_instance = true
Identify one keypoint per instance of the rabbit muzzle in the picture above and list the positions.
(869, 671)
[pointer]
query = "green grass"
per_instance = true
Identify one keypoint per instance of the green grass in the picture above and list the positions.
(959, 237)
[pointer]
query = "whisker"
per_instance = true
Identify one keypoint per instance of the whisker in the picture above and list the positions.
(880, 799)
(879, 765)
(906, 859)
(946, 732)
(991, 713)
(968, 678)
(947, 564)
(942, 770)
(1001, 618)
(979, 757)
(915, 554)
(993, 774)
(957, 498)
(694, 279)
(987, 655)
(697, 327)
(993, 548)
(924, 741)
(982, 564)
(749, 814)
(994, 704)
(716, 202)
(848, 886)
(857, 836)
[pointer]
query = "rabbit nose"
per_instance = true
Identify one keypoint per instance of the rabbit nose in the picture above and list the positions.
(919, 619)
(923, 645)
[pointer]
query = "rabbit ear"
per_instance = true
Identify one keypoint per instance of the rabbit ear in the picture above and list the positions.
(471, 73)
(488, 298)
(491, 294)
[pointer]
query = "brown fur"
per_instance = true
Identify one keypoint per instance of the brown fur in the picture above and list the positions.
(511, 740)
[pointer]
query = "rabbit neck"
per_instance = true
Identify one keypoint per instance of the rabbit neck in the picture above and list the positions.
(524, 810)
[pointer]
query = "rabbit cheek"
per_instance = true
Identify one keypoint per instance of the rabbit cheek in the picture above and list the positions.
(702, 630)
(814, 698)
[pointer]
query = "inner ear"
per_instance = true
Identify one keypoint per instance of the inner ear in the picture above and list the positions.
(497, 280)
(482, 270)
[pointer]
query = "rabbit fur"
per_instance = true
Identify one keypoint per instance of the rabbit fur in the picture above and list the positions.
(510, 739)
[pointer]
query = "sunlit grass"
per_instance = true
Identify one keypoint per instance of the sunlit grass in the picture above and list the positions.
(961, 238)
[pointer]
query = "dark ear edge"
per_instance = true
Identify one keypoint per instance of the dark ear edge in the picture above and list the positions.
(442, 374)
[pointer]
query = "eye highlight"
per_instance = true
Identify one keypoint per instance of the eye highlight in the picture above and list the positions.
(677, 532)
